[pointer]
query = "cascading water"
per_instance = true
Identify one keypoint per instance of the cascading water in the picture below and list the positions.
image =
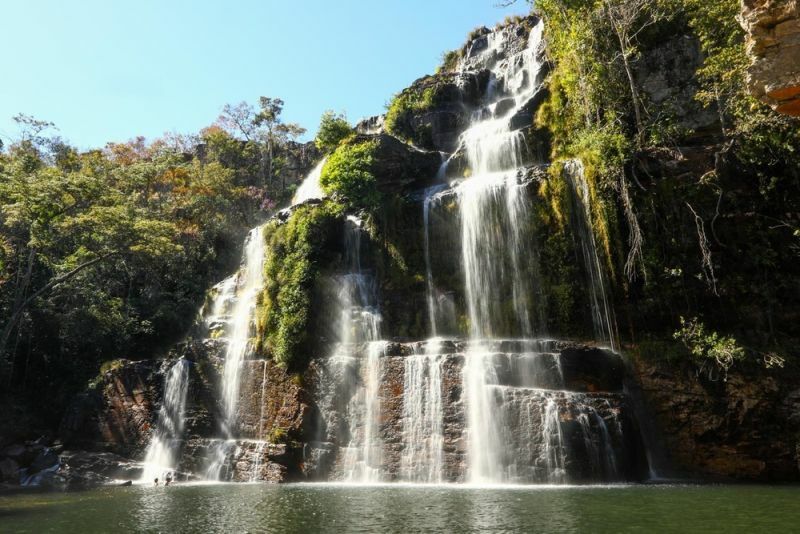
(360, 351)
(310, 188)
(515, 401)
(423, 439)
(494, 209)
(231, 319)
(162, 452)
(602, 315)
(500, 407)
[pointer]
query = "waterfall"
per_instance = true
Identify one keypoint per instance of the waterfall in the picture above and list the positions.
(310, 188)
(258, 456)
(162, 451)
(431, 292)
(581, 215)
(494, 209)
(441, 306)
(231, 320)
(423, 439)
(360, 350)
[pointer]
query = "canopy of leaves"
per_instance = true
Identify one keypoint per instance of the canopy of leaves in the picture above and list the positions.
(107, 254)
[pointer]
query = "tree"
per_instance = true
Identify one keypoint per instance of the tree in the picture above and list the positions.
(264, 128)
(628, 19)
(275, 131)
(333, 128)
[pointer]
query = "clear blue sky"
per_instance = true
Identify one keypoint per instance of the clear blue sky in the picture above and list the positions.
(108, 70)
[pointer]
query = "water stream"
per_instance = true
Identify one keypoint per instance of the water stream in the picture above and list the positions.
(161, 456)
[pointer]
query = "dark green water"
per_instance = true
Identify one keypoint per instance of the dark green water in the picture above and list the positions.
(338, 509)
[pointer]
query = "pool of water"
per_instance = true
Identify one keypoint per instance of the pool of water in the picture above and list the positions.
(392, 508)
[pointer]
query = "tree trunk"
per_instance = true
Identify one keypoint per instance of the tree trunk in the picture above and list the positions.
(634, 94)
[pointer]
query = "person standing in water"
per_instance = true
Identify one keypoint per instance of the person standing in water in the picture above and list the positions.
(155, 482)
(168, 479)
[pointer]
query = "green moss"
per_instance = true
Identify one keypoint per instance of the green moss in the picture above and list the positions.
(348, 175)
(105, 367)
(278, 435)
(295, 251)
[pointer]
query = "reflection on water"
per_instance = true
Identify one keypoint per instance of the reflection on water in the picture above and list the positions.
(394, 508)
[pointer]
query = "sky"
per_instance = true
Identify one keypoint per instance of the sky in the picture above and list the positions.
(109, 70)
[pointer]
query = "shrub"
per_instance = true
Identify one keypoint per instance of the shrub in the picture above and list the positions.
(450, 61)
(704, 346)
(348, 176)
(402, 109)
(333, 128)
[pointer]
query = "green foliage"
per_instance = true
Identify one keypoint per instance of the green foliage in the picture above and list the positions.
(704, 346)
(333, 128)
(295, 250)
(107, 254)
(402, 110)
(348, 175)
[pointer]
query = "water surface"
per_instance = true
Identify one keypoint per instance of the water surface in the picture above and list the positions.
(393, 508)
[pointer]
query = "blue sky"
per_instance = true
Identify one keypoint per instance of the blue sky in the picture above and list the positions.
(110, 70)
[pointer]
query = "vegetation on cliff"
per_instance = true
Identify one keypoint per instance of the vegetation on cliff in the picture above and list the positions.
(333, 129)
(348, 174)
(296, 252)
(106, 254)
(721, 226)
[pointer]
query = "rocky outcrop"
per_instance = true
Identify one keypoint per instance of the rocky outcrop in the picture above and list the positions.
(773, 44)
(667, 75)
(397, 166)
(117, 413)
(747, 427)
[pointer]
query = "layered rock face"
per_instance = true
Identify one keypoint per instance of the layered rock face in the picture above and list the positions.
(773, 44)
(560, 413)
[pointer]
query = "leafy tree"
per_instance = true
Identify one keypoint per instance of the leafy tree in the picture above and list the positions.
(333, 128)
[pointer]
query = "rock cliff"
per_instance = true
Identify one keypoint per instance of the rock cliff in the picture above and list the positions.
(773, 44)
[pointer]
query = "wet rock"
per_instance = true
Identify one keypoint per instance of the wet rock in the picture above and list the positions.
(371, 125)
(667, 75)
(601, 440)
(399, 167)
(743, 428)
(591, 369)
(84, 470)
(44, 460)
(317, 459)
